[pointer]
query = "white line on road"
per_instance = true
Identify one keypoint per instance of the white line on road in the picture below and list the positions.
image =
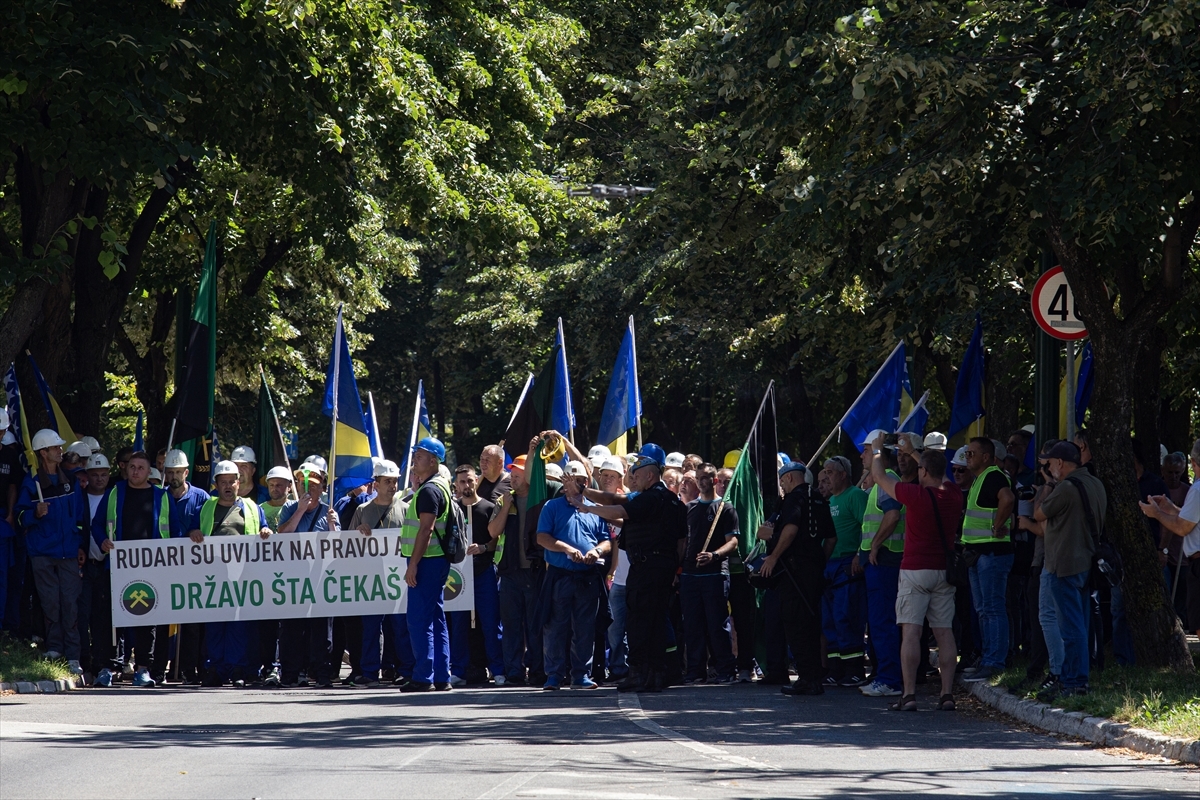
(519, 779)
(632, 707)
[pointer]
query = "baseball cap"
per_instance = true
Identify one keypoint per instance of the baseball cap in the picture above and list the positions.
(1066, 451)
(517, 463)
(793, 466)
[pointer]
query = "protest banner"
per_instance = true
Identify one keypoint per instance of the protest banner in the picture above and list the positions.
(227, 578)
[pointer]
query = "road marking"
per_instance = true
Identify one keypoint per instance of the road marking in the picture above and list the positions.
(519, 779)
(632, 707)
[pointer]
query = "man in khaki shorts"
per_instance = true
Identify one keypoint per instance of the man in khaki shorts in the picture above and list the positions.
(933, 508)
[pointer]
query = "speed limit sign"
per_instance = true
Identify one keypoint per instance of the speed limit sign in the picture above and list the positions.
(1054, 307)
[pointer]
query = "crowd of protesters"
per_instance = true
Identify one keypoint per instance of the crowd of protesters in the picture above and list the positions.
(631, 570)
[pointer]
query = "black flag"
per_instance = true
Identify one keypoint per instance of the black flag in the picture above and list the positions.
(534, 413)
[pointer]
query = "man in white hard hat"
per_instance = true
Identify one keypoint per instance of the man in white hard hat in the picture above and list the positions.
(279, 489)
(95, 602)
(51, 512)
(247, 464)
(74, 461)
(597, 455)
(935, 441)
(279, 486)
(11, 475)
(186, 500)
(91, 442)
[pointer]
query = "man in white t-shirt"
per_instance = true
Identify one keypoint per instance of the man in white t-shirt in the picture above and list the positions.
(1184, 522)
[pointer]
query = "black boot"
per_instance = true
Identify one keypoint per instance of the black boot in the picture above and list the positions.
(633, 682)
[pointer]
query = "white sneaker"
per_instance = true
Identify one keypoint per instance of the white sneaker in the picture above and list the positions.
(456, 681)
(74, 667)
(744, 676)
(878, 689)
(499, 680)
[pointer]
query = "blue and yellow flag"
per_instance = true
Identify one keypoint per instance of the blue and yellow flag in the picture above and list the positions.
(421, 429)
(58, 420)
(916, 419)
(562, 412)
(1084, 382)
(350, 450)
(623, 403)
(878, 406)
(17, 425)
(966, 418)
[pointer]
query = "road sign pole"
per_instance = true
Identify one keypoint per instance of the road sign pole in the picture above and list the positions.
(1046, 378)
(1071, 389)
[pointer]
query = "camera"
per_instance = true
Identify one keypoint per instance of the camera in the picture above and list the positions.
(1027, 492)
(891, 439)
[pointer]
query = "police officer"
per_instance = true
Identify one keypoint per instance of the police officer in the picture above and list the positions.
(797, 545)
(653, 533)
(428, 568)
(227, 514)
(132, 510)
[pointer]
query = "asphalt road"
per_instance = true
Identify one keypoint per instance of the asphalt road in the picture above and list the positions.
(698, 742)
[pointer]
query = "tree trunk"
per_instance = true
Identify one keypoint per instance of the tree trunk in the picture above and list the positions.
(1147, 393)
(797, 409)
(1158, 638)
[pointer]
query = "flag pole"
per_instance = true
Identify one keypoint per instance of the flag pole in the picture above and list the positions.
(919, 404)
(562, 340)
(375, 424)
(861, 394)
(636, 383)
(745, 447)
(412, 436)
(287, 462)
(338, 333)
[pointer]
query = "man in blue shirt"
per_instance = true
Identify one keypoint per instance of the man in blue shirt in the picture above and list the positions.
(575, 543)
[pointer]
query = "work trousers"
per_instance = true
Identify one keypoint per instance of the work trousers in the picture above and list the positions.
(618, 653)
(485, 645)
(706, 625)
(883, 584)
(151, 648)
(347, 638)
(58, 587)
(306, 644)
(647, 600)
(571, 627)
(191, 650)
(395, 627)
(522, 637)
(800, 601)
(844, 617)
(742, 608)
(95, 619)
(228, 650)
(427, 622)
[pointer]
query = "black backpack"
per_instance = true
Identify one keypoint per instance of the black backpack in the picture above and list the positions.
(453, 542)
(1105, 558)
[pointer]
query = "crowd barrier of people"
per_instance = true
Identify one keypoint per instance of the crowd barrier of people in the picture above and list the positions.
(628, 570)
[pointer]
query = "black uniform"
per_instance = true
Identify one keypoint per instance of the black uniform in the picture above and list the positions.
(801, 585)
(655, 522)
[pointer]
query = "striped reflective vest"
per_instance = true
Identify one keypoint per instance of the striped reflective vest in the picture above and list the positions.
(252, 519)
(412, 522)
(116, 500)
(873, 519)
(979, 522)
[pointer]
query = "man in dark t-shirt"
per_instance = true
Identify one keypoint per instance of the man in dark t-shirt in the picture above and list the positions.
(474, 649)
(712, 527)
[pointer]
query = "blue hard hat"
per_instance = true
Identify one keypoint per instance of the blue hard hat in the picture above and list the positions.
(432, 445)
(654, 453)
(784, 457)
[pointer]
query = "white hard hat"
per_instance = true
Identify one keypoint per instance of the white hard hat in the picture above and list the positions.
(1001, 451)
(3, 417)
(46, 438)
(444, 471)
(913, 439)
(674, 460)
(91, 442)
(279, 472)
(599, 450)
(8, 438)
(872, 436)
(960, 457)
(175, 459)
(554, 472)
(225, 468)
(1162, 453)
(80, 449)
(385, 469)
(317, 463)
(576, 469)
(613, 464)
(155, 475)
(97, 461)
(935, 441)
(244, 454)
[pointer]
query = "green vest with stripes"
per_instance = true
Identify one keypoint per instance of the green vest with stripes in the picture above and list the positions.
(412, 522)
(873, 519)
(163, 522)
(251, 518)
(979, 522)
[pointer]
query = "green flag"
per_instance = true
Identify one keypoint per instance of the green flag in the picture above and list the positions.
(754, 487)
(196, 383)
(535, 476)
(268, 440)
(745, 495)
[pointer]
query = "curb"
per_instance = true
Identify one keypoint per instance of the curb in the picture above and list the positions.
(1097, 730)
(38, 687)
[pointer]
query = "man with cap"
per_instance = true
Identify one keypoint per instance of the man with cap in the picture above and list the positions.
(279, 485)
(574, 543)
(986, 536)
(53, 515)
(385, 511)
(653, 531)
(75, 462)
(247, 464)
(797, 542)
(521, 567)
(308, 513)
(11, 474)
(95, 609)
(712, 537)
(596, 456)
(135, 510)
(1070, 515)
(844, 602)
(228, 514)
(475, 646)
(421, 538)
(879, 555)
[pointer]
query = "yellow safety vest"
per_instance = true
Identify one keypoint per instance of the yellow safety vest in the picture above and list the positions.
(412, 521)
(979, 522)
(164, 515)
(873, 519)
(251, 519)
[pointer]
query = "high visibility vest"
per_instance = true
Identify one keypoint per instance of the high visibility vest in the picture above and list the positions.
(251, 519)
(979, 522)
(873, 519)
(412, 521)
(110, 520)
